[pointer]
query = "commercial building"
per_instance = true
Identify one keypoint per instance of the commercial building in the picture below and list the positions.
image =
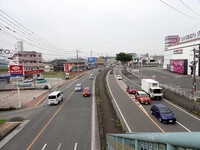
(30, 60)
(179, 56)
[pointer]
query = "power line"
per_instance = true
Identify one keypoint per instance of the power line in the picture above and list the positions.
(189, 8)
(178, 10)
(27, 31)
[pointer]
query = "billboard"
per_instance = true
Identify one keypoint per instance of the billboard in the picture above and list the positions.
(16, 70)
(92, 59)
(179, 66)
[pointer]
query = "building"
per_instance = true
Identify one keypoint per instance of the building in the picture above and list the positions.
(179, 56)
(48, 67)
(31, 61)
(58, 64)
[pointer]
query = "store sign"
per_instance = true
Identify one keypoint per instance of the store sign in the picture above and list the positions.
(178, 51)
(34, 71)
(66, 67)
(16, 70)
(190, 36)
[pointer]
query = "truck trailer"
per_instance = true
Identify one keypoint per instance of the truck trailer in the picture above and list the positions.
(152, 88)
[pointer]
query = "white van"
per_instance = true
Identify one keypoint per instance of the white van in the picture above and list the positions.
(55, 97)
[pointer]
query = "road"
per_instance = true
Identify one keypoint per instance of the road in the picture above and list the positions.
(138, 117)
(65, 126)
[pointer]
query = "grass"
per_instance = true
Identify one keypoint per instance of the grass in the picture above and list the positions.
(2, 121)
(53, 74)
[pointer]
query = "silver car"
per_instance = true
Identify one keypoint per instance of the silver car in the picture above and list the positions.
(78, 87)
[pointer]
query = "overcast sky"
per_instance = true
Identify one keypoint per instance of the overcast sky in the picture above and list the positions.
(105, 27)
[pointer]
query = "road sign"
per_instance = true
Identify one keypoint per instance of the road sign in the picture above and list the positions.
(16, 70)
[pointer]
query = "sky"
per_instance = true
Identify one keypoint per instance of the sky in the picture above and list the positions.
(98, 27)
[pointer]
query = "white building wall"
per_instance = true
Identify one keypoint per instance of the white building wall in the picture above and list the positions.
(187, 54)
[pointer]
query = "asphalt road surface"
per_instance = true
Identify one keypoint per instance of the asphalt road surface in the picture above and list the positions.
(65, 126)
(138, 117)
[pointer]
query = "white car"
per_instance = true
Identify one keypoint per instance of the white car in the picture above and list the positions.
(119, 77)
(91, 77)
(78, 87)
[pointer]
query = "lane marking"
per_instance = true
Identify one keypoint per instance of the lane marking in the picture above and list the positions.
(182, 109)
(129, 130)
(93, 140)
(142, 109)
(44, 146)
(48, 122)
(173, 105)
(183, 126)
(75, 146)
(59, 146)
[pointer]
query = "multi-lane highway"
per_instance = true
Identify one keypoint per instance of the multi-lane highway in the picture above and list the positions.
(137, 118)
(69, 125)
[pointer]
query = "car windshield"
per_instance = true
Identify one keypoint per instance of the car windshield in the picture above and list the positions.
(52, 97)
(132, 87)
(86, 90)
(78, 85)
(143, 95)
(164, 110)
(157, 91)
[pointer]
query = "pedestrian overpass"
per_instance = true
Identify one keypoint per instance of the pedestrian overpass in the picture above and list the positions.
(154, 141)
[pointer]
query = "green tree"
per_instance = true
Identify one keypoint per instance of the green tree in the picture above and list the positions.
(124, 58)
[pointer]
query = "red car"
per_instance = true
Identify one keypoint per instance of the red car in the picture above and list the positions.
(142, 97)
(131, 89)
(86, 92)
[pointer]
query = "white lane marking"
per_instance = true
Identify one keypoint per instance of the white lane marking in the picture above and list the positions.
(59, 146)
(93, 140)
(44, 146)
(7, 138)
(75, 146)
(129, 130)
(181, 109)
(183, 126)
(171, 103)
(128, 78)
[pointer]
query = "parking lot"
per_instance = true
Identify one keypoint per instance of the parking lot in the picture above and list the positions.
(12, 97)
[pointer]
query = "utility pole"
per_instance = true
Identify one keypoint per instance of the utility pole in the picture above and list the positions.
(194, 75)
(91, 59)
(77, 66)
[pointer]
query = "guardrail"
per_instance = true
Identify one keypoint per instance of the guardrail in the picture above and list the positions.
(179, 92)
(154, 141)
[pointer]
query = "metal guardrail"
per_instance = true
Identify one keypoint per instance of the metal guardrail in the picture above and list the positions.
(154, 141)
(179, 92)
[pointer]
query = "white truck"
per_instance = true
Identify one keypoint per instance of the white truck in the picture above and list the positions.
(152, 88)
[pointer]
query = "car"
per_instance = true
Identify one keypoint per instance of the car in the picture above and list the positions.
(163, 113)
(41, 80)
(119, 77)
(28, 80)
(86, 92)
(78, 87)
(131, 89)
(142, 97)
(91, 76)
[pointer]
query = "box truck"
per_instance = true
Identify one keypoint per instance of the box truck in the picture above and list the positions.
(152, 88)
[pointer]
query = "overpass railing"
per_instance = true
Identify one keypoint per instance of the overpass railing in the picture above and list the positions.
(154, 141)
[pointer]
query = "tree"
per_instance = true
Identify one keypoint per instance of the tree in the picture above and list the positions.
(124, 58)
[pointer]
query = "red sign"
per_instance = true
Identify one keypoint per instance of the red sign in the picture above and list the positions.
(34, 71)
(16, 69)
(66, 67)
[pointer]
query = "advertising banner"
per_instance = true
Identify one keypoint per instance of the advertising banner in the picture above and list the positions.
(16, 70)
(66, 67)
(178, 66)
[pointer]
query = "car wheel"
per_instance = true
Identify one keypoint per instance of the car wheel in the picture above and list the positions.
(151, 112)
(160, 119)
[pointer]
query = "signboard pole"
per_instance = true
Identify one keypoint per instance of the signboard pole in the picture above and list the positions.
(18, 96)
